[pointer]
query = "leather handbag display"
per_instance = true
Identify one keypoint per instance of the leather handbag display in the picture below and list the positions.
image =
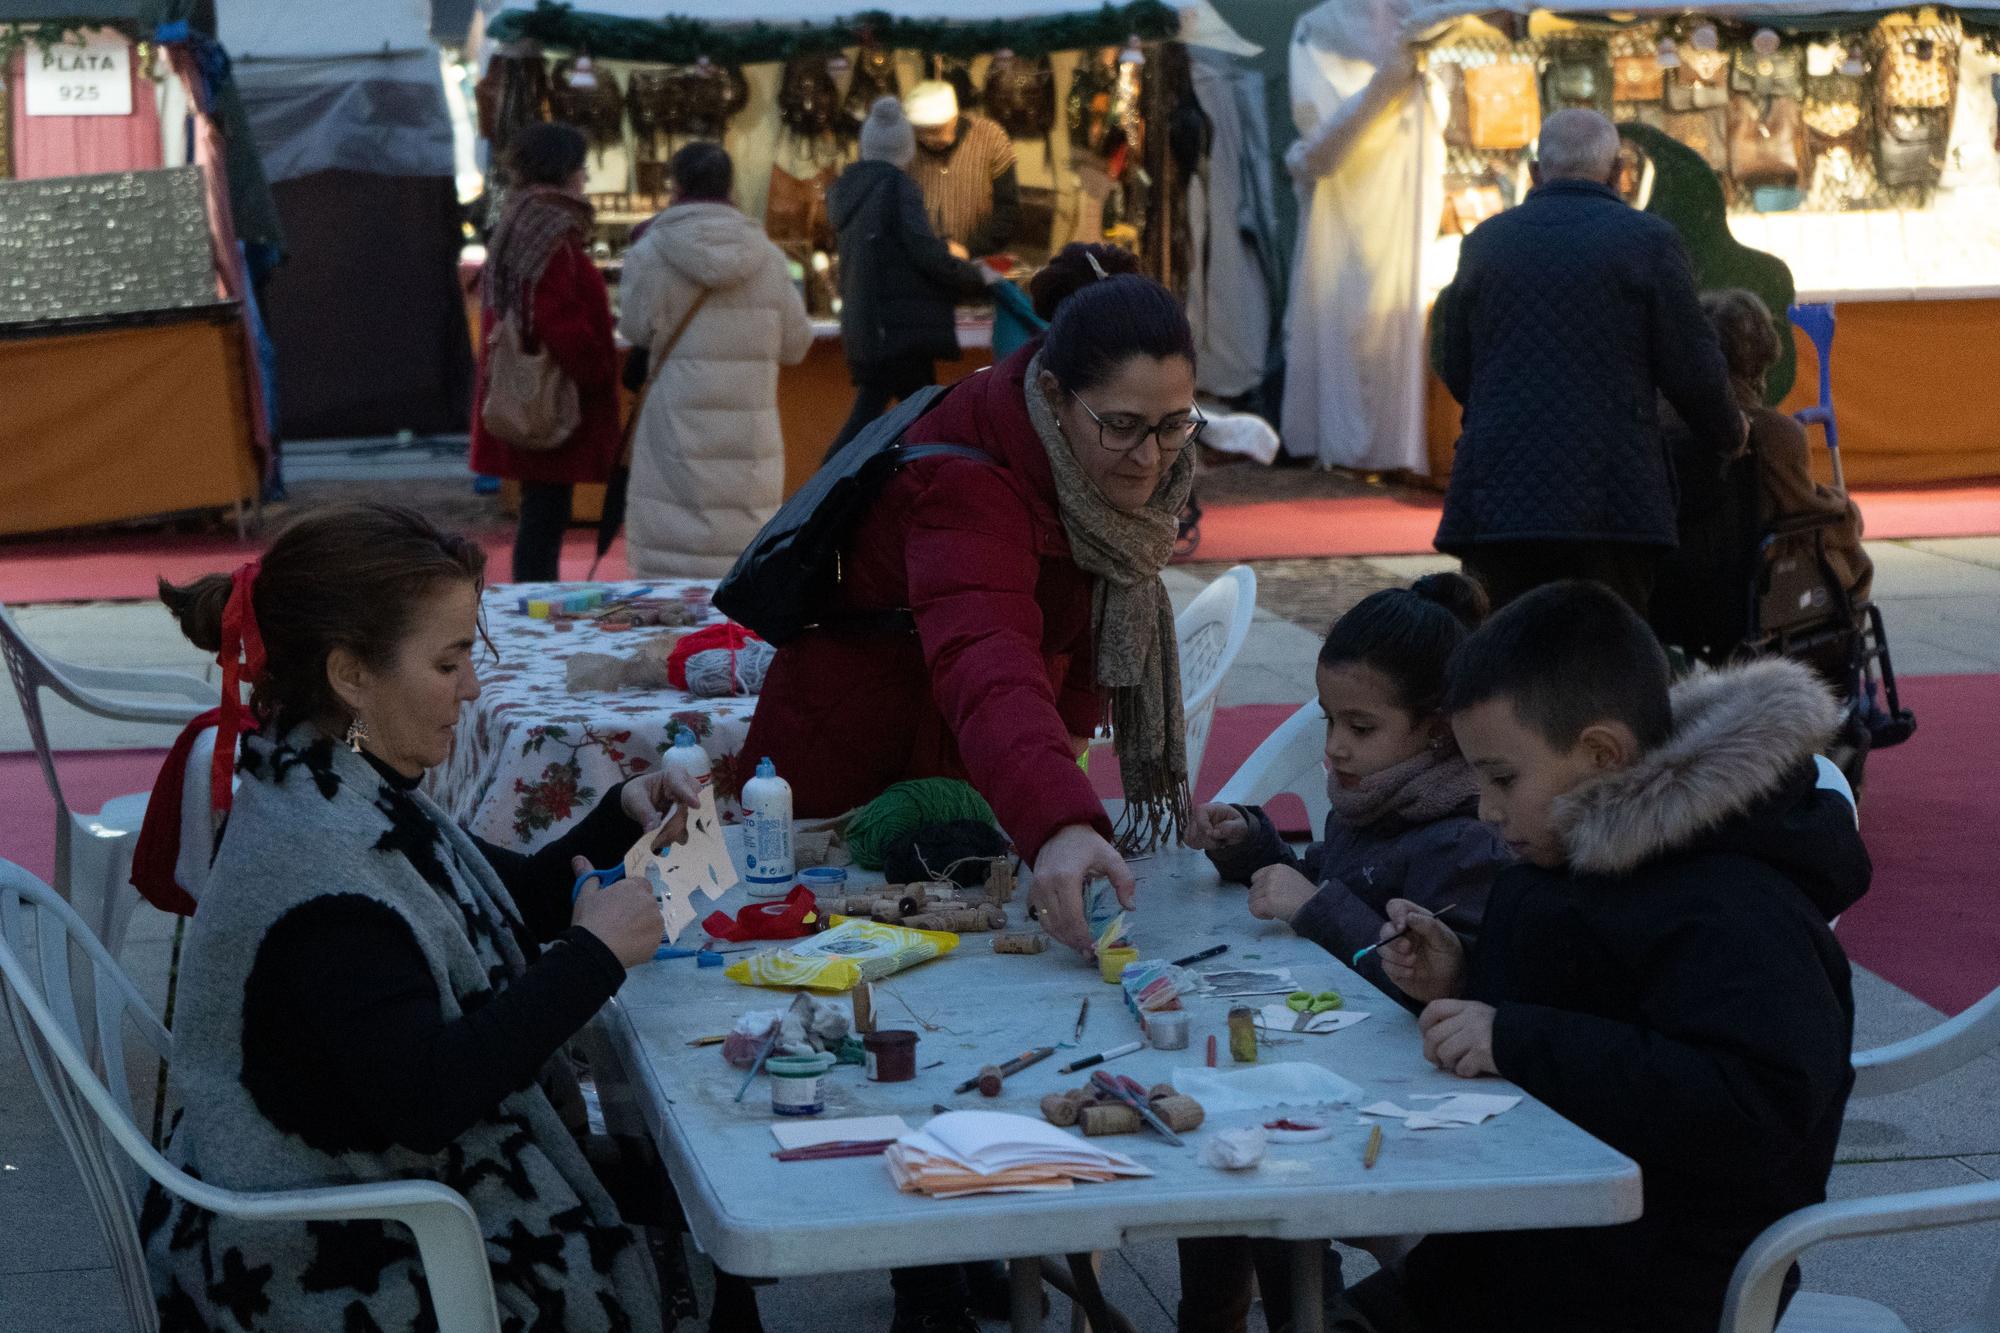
(529, 402)
(808, 98)
(1637, 79)
(1502, 107)
(1779, 74)
(1842, 178)
(1766, 141)
(1706, 132)
(874, 77)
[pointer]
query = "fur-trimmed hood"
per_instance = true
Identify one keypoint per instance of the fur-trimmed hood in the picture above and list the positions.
(1743, 737)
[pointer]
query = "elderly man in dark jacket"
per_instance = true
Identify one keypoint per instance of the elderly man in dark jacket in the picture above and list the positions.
(1569, 318)
(899, 282)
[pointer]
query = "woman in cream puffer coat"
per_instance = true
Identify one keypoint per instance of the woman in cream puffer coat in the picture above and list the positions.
(708, 457)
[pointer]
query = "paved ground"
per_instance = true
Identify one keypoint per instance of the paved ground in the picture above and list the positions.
(1939, 598)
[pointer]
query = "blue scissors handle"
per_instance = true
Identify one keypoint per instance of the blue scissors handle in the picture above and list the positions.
(605, 877)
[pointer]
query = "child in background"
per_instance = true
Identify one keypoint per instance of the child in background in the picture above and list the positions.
(1404, 825)
(1405, 818)
(1657, 969)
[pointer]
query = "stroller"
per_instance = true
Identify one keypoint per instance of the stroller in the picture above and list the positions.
(1739, 588)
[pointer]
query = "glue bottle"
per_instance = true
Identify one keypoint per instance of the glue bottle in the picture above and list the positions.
(687, 758)
(767, 842)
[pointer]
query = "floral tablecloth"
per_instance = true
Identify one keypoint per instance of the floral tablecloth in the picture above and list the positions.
(531, 758)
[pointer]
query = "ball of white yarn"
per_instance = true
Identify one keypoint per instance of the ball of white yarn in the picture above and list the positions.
(710, 674)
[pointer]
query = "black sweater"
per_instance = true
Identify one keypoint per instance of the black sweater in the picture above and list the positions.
(343, 1041)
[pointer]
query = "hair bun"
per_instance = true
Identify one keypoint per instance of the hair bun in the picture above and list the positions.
(198, 608)
(1071, 270)
(1457, 594)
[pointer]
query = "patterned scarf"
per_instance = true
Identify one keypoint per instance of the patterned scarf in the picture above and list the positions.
(535, 224)
(1424, 788)
(1132, 622)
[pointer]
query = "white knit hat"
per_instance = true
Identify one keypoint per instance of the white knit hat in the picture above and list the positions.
(930, 104)
(886, 135)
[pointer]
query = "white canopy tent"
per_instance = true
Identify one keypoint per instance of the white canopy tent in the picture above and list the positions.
(1368, 167)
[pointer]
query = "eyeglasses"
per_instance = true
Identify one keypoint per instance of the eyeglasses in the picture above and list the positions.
(1122, 434)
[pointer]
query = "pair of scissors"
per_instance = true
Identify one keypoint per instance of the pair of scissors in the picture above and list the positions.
(1306, 1004)
(605, 877)
(1128, 1091)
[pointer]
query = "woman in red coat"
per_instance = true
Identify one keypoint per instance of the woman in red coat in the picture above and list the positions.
(1034, 584)
(538, 268)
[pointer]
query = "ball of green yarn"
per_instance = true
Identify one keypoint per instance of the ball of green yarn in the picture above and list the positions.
(907, 807)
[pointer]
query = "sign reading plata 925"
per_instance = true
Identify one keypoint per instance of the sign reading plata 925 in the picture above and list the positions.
(84, 76)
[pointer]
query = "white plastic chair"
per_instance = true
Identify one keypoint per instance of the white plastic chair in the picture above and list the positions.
(93, 1115)
(1752, 1302)
(1291, 759)
(94, 851)
(1211, 632)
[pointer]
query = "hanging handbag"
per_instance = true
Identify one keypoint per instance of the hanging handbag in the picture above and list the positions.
(874, 77)
(1501, 105)
(529, 402)
(808, 99)
(795, 209)
(1909, 147)
(1706, 132)
(1919, 65)
(598, 108)
(1576, 74)
(1766, 141)
(1842, 178)
(1781, 73)
(1637, 79)
(1092, 89)
(1021, 96)
(1701, 83)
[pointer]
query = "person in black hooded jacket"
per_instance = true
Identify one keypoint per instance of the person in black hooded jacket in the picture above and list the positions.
(899, 282)
(1659, 968)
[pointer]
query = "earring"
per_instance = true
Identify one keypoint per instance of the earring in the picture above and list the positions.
(357, 732)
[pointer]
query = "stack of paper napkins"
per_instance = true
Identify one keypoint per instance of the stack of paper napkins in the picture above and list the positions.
(992, 1152)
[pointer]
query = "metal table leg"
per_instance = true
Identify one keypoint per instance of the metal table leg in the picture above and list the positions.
(1308, 1300)
(1024, 1290)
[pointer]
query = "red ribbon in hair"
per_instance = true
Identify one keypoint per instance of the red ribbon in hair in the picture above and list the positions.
(240, 639)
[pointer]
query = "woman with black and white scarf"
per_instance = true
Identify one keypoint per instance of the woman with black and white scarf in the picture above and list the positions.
(370, 993)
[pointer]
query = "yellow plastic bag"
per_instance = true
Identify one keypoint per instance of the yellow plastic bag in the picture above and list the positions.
(841, 958)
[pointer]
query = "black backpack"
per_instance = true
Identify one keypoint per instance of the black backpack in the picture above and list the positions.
(784, 581)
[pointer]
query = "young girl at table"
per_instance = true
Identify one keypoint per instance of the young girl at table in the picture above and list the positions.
(1404, 824)
(1405, 816)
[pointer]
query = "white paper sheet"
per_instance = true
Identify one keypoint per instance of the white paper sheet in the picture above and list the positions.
(1263, 1087)
(853, 1129)
(1454, 1110)
(1278, 1018)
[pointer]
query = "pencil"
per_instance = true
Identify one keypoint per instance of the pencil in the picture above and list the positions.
(1373, 1150)
(1082, 1012)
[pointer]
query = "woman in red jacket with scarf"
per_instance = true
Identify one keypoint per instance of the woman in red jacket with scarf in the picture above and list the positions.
(538, 268)
(1034, 584)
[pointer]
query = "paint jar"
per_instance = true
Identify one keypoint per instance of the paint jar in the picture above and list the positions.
(1111, 963)
(892, 1055)
(1243, 1035)
(795, 1083)
(1168, 1030)
(824, 879)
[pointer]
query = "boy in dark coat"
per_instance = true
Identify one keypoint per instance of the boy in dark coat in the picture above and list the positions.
(1658, 968)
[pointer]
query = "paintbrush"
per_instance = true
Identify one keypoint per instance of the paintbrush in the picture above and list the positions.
(762, 1056)
(1013, 1066)
(1360, 954)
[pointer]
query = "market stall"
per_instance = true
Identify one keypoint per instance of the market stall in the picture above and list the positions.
(1857, 146)
(1110, 135)
(128, 336)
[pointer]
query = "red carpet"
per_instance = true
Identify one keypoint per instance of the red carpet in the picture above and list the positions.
(113, 566)
(124, 565)
(1931, 817)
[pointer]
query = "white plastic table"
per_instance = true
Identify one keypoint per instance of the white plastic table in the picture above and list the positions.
(762, 1218)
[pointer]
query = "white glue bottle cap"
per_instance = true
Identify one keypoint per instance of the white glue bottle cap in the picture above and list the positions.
(686, 757)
